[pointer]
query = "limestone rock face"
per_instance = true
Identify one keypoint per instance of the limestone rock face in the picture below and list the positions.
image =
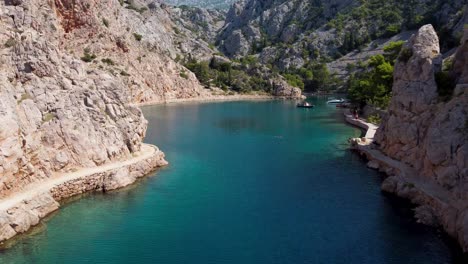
(66, 83)
(19, 217)
(282, 89)
(429, 134)
(207, 22)
(247, 20)
(414, 91)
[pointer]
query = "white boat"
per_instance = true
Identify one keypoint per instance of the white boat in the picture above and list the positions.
(336, 101)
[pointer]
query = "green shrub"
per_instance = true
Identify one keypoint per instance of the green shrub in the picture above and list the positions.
(87, 56)
(132, 6)
(108, 61)
(178, 58)
(137, 36)
(372, 83)
(392, 50)
(105, 22)
(176, 30)
(124, 73)
(405, 55)
(47, 117)
(183, 75)
(392, 30)
(447, 64)
(10, 43)
(24, 96)
(374, 119)
(249, 60)
(294, 80)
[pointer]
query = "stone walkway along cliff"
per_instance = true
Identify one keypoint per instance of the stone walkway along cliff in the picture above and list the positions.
(375, 155)
(369, 127)
(41, 187)
(22, 210)
(404, 180)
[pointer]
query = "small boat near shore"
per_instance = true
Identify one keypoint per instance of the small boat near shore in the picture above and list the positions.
(305, 105)
(336, 101)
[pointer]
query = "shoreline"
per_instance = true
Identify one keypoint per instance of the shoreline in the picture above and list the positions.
(215, 98)
(435, 205)
(23, 210)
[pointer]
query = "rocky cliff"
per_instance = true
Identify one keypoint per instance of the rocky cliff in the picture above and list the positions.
(293, 33)
(252, 23)
(428, 134)
(70, 70)
(57, 113)
(69, 74)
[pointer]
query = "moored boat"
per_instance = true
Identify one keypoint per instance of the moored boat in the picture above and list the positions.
(335, 101)
(305, 105)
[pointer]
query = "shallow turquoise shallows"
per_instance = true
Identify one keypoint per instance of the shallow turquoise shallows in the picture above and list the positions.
(249, 182)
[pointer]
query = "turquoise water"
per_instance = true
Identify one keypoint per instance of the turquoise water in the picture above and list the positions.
(249, 182)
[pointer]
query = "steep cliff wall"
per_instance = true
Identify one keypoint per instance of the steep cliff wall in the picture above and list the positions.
(135, 43)
(69, 71)
(429, 134)
(56, 113)
(250, 22)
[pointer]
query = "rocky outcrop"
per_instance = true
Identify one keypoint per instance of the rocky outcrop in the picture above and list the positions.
(426, 138)
(69, 71)
(282, 89)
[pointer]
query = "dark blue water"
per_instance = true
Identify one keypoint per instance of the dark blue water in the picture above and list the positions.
(249, 182)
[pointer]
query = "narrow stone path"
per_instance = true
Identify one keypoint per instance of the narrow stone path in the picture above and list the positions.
(407, 173)
(41, 187)
(369, 127)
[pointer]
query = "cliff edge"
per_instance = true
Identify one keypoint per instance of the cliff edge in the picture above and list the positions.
(422, 143)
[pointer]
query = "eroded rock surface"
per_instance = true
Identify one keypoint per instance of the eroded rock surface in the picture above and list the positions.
(69, 71)
(429, 135)
(19, 217)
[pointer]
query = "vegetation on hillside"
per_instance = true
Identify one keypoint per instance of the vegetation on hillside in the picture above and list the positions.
(313, 76)
(244, 75)
(372, 83)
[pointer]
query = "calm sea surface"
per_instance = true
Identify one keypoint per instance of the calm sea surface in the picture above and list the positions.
(249, 182)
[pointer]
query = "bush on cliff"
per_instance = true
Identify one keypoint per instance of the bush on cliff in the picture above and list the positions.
(372, 84)
(87, 56)
(445, 85)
